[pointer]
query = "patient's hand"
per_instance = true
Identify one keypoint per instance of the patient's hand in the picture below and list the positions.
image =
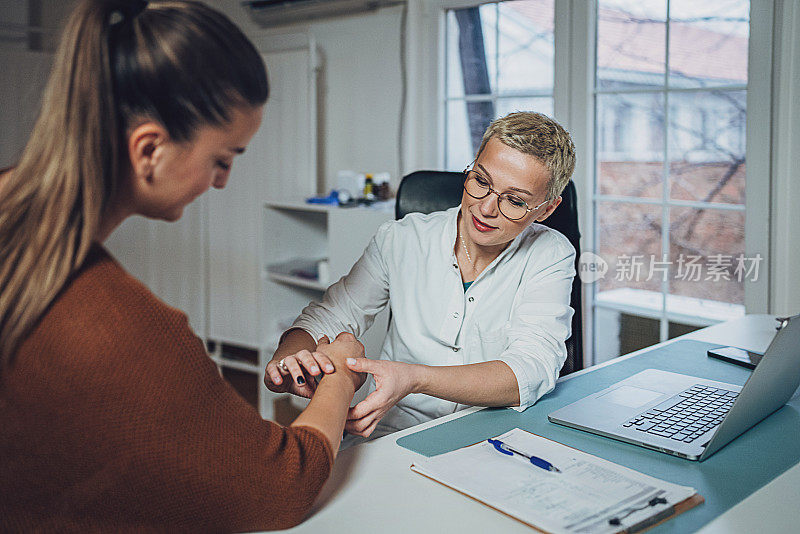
(344, 348)
(393, 381)
(300, 368)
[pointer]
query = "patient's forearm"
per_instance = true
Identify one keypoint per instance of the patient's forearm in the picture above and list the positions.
(478, 384)
(328, 407)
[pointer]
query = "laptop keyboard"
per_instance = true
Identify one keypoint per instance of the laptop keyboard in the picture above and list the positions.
(687, 415)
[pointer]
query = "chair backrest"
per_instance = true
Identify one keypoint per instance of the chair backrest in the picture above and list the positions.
(429, 191)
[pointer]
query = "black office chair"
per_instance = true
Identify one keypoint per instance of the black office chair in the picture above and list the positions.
(428, 191)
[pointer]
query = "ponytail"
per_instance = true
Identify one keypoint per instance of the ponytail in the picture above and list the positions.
(180, 63)
(52, 201)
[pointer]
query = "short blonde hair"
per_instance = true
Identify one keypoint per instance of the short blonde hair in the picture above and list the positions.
(540, 136)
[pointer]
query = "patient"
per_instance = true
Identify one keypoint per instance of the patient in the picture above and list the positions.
(479, 293)
(112, 416)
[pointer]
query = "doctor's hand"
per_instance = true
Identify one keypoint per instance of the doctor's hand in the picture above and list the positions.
(393, 381)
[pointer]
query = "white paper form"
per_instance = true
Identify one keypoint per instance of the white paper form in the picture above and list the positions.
(583, 497)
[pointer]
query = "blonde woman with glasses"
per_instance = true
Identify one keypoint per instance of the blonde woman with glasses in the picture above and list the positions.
(479, 293)
(112, 416)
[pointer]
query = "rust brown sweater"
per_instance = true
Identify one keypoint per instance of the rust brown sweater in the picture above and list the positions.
(113, 418)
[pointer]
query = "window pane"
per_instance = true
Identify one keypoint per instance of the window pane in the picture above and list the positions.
(460, 150)
(509, 105)
(707, 256)
(630, 144)
(708, 42)
(629, 240)
(644, 127)
(525, 47)
(629, 237)
(631, 44)
(707, 146)
(458, 145)
(471, 49)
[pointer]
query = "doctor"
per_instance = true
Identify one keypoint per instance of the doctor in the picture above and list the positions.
(479, 293)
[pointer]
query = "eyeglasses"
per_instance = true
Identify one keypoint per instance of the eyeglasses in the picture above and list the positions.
(511, 206)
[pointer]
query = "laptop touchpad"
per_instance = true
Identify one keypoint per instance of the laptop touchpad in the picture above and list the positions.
(630, 396)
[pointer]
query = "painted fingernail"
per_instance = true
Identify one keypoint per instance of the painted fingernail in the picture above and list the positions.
(351, 361)
(301, 380)
(329, 368)
(314, 369)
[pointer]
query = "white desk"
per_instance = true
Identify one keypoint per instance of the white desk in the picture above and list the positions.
(372, 488)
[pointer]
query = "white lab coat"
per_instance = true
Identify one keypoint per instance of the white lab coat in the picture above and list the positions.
(517, 310)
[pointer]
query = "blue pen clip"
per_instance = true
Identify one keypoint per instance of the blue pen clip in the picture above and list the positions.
(538, 462)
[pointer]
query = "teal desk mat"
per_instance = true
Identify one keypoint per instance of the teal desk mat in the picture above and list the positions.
(726, 478)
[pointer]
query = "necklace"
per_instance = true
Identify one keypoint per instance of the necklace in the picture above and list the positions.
(461, 238)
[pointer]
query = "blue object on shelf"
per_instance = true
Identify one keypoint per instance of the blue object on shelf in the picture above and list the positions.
(332, 198)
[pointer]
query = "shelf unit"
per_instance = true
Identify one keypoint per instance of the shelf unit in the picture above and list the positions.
(296, 281)
(294, 233)
(307, 233)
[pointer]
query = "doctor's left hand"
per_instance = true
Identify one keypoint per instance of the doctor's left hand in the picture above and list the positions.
(393, 381)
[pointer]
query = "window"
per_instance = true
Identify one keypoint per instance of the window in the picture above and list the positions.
(669, 204)
(499, 59)
(659, 116)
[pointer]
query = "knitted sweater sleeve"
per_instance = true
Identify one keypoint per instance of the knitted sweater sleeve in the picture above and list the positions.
(219, 464)
(201, 457)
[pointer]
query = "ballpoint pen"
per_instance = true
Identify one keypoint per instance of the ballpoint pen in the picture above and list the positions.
(538, 462)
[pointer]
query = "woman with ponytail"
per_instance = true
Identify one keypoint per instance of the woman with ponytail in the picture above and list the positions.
(112, 417)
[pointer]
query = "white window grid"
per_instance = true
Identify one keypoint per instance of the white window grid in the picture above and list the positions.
(665, 202)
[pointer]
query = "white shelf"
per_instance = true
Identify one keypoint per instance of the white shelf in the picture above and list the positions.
(685, 310)
(296, 281)
(302, 205)
(289, 272)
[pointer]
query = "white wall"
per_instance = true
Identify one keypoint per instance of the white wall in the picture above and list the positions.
(48, 15)
(785, 282)
(360, 87)
(361, 103)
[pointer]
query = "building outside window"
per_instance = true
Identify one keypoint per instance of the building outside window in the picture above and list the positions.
(499, 59)
(669, 197)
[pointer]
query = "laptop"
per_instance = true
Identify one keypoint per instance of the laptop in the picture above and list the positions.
(687, 416)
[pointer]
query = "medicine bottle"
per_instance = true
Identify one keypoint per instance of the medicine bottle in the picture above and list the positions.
(369, 194)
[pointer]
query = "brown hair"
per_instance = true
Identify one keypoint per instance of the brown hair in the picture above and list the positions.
(119, 62)
(540, 136)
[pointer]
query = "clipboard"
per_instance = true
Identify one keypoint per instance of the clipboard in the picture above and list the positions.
(581, 473)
